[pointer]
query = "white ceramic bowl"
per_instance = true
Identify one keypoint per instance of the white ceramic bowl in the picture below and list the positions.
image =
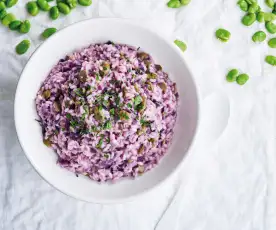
(80, 35)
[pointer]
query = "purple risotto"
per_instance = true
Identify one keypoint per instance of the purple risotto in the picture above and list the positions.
(108, 111)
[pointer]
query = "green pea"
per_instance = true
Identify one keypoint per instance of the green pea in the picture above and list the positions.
(232, 75)
(272, 43)
(11, 3)
(25, 27)
(71, 3)
(43, 5)
(253, 8)
(260, 16)
(3, 14)
(22, 47)
(243, 5)
(271, 60)
(259, 36)
(269, 17)
(270, 27)
(2, 5)
(242, 79)
(48, 32)
(223, 35)
(15, 25)
(249, 19)
(269, 3)
(174, 4)
(8, 19)
(87, 2)
(32, 8)
(185, 2)
(181, 45)
(54, 13)
(63, 8)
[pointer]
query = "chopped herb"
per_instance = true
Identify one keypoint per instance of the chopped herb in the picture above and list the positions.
(137, 100)
(144, 122)
(83, 116)
(107, 140)
(117, 100)
(129, 105)
(124, 115)
(73, 123)
(68, 116)
(106, 103)
(79, 92)
(107, 125)
(112, 111)
(97, 77)
(99, 145)
(86, 108)
(94, 128)
(106, 155)
(152, 76)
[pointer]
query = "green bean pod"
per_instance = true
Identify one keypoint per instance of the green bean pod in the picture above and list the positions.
(54, 12)
(25, 27)
(22, 47)
(63, 8)
(15, 25)
(48, 32)
(8, 19)
(11, 3)
(43, 5)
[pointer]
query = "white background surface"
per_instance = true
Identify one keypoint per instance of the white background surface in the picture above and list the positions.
(229, 185)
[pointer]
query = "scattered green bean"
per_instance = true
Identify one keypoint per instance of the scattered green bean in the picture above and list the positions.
(249, 19)
(185, 2)
(270, 27)
(260, 16)
(269, 3)
(269, 17)
(223, 35)
(25, 27)
(71, 3)
(2, 6)
(63, 8)
(11, 3)
(48, 32)
(271, 60)
(22, 47)
(232, 75)
(85, 2)
(3, 14)
(8, 19)
(253, 8)
(242, 79)
(32, 8)
(15, 25)
(259, 36)
(181, 45)
(43, 5)
(272, 43)
(54, 13)
(243, 5)
(174, 4)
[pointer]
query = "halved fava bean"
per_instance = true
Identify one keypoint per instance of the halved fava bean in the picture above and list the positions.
(223, 35)
(271, 60)
(48, 32)
(181, 45)
(243, 5)
(174, 4)
(259, 36)
(22, 47)
(271, 27)
(232, 75)
(11, 3)
(272, 43)
(63, 8)
(8, 19)
(25, 27)
(242, 79)
(87, 2)
(54, 13)
(43, 5)
(32, 8)
(15, 25)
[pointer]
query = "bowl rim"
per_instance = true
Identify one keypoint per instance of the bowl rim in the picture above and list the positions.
(157, 185)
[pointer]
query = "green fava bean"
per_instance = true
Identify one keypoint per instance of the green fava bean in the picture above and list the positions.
(259, 36)
(269, 17)
(63, 8)
(25, 27)
(181, 45)
(54, 13)
(271, 60)
(32, 8)
(2, 6)
(48, 32)
(22, 47)
(249, 19)
(272, 43)
(11, 3)
(185, 2)
(15, 25)
(174, 4)
(243, 5)
(271, 27)
(71, 3)
(43, 5)
(232, 75)
(3, 14)
(223, 35)
(242, 79)
(8, 19)
(253, 8)
(260, 17)
(269, 3)
(87, 2)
